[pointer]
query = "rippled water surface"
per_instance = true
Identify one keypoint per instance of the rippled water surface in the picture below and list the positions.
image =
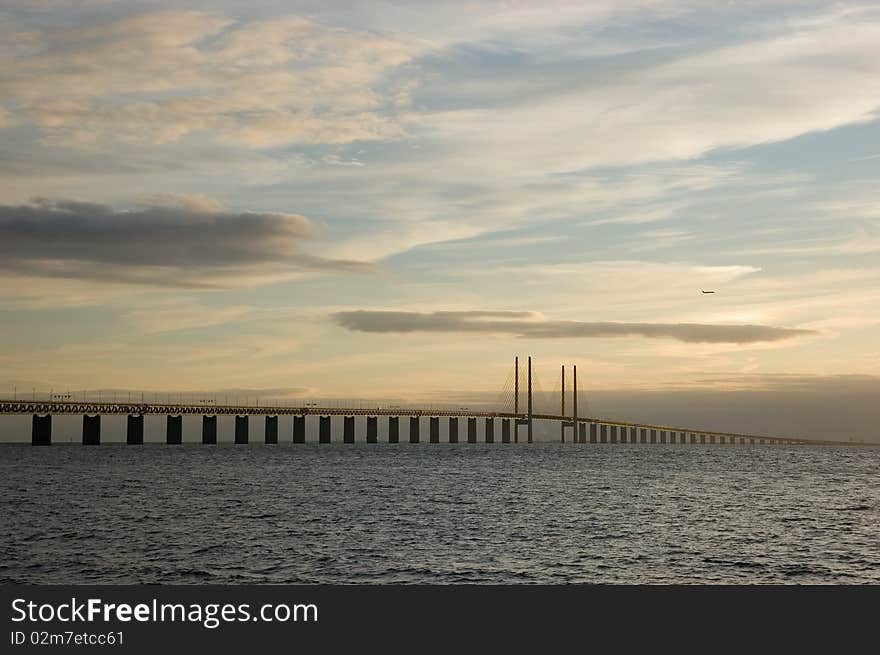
(439, 514)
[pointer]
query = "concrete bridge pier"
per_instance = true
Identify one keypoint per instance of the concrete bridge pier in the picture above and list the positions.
(324, 429)
(593, 431)
(91, 435)
(299, 429)
(134, 432)
(209, 429)
(41, 430)
(663, 436)
(472, 430)
(505, 430)
(393, 429)
(490, 430)
(241, 429)
(372, 429)
(453, 429)
(582, 433)
(348, 429)
(174, 429)
(603, 434)
(643, 435)
(434, 429)
(271, 432)
(621, 430)
(414, 429)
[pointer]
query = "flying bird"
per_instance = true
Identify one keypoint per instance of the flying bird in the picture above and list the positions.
(704, 291)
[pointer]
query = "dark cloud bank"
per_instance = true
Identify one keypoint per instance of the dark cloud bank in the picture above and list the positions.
(165, 245)
(528, 325)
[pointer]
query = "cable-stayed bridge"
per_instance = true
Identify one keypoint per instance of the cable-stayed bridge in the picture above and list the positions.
(522, 401)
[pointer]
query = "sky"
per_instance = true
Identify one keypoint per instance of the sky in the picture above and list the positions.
(390, 200)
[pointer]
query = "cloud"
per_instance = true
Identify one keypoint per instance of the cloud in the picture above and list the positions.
(534, 326)
(770, 89)
(190, 243)
(155, 78)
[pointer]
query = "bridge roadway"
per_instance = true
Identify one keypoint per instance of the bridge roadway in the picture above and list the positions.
(600, 430)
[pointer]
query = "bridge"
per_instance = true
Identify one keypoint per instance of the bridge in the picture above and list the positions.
(584, 429)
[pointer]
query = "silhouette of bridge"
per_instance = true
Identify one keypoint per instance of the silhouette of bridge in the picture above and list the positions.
(584, 429)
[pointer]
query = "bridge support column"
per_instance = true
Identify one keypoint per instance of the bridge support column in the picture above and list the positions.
(324, 429)
(393, 429)
(414, 429)
(472, 430)
(348, 429)
(241, 429)
(505, 430)
(299, 429)
(434, 429)
(702, 438)
(634, 435)
(663, 436)
(453, 429)
(372, 429)
(209, 429)
(173, 430)
(672, 436)
(271, 432)
(41, 430)
(490, 430)
(593, 430)
(91, 430)
(603, 434)
(582, 433)
(134, 432)
(622, 430)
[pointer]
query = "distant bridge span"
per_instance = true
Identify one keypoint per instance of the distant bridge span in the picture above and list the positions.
(585, 429)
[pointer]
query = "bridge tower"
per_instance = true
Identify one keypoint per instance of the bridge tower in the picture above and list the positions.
(562, 410)
(516, 399)
(520, 421)
(574, 410)
(530, 401)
